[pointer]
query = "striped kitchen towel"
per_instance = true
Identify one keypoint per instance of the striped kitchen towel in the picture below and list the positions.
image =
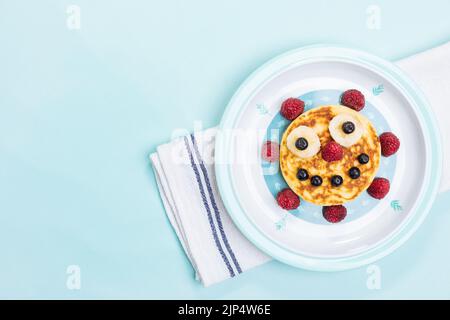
(184, 171)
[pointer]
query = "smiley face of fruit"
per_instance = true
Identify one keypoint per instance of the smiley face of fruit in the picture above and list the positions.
(329, 155)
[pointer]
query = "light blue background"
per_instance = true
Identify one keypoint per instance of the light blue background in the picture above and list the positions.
(81, 110)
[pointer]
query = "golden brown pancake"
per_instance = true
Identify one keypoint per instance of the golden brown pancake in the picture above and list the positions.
(326, 194)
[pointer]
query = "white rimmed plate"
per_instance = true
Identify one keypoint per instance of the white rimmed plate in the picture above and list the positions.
(302, 238)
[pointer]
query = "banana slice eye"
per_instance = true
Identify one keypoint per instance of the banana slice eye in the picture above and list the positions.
(303, 142)
(345, 129)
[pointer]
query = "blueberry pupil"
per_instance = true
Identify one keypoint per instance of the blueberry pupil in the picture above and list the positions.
(301, 143)
(316, 181)
(336, 181)
(354, 173)
(363, 158)
(302, 174)
(348, 127)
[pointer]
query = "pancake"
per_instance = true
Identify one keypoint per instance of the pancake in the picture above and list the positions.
(326, 194)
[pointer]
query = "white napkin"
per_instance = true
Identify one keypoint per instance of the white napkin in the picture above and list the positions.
(431, 71)
(187, 184)
(186, 181)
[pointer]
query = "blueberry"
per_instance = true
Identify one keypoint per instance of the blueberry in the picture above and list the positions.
(363, 158)
(301, 143)
(302, 174)
(354, 173)
(348, 127)
(336, 181)
(316, 181)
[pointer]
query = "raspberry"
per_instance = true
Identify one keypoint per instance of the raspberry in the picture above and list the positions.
(353, 99)
(270, 151)
(292, 108)
(379, 188)
(287, 199)
(389, 144)
(334, 214)
(332, 152)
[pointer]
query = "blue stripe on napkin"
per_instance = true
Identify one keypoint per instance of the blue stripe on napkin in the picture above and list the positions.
(214, 205)
(208, 210)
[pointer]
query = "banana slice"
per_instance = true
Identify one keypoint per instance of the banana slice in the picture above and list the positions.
(345, 129)
(303, 142)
